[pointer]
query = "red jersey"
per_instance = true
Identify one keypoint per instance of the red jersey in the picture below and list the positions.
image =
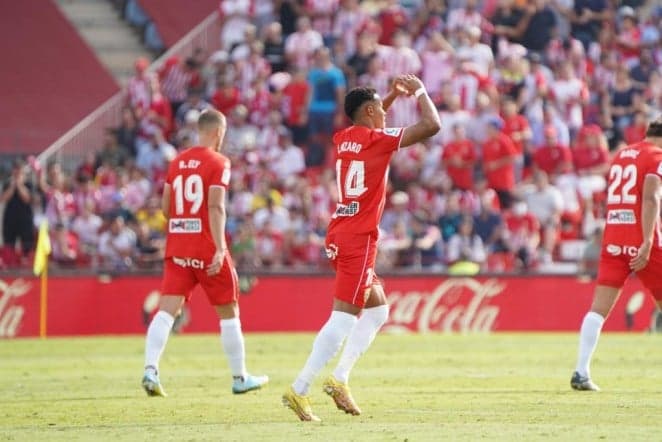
(462, 177)
(588, 158)
(497, 148)
(625, 188)
(511, 125)
(363, 157)
(190, 176)
(553, 159)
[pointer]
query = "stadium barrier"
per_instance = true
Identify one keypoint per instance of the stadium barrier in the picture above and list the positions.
(91, 305)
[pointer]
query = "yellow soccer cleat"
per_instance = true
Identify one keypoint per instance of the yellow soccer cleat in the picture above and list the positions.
(341, 396)
(152, 384)
(300, 405)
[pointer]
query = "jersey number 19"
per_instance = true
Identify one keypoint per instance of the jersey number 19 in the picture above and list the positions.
(189, 189)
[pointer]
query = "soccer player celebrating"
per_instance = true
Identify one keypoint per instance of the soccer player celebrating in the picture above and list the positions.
(196, 253)
(632, 240)
(364, 151)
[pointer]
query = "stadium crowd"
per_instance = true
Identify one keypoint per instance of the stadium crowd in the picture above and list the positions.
(533, 97)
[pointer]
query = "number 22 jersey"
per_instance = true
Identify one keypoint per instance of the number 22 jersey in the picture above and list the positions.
(626, 177)
(363, 157)
(190, 176)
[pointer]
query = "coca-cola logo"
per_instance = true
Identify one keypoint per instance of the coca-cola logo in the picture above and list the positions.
(11, 315)
(455, 305)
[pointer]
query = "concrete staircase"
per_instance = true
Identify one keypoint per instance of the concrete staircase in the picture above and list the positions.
(113, 40)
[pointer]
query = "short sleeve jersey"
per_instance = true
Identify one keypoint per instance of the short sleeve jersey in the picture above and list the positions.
(626, 176)
(362, 164)
(190, 176)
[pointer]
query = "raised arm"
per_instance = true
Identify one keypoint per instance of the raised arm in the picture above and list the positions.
(429, 124)
(650, 211)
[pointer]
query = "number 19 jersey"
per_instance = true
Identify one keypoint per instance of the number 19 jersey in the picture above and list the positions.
(363, 157)
(626, 176)
(190, 176)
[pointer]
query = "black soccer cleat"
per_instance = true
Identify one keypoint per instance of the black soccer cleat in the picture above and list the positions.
(582, 383)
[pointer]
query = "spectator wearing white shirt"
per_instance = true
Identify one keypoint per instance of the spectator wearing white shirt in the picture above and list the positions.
(480, 55)
(87, 226)
(116, 245)
(466, 244)
(235, 17)
(545, 202)
(277, 216)
(291, 160)
(302, 44)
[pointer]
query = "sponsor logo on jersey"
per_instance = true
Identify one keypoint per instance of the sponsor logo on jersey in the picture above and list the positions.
(184, 225)
(189, 262)
(347, 209)
(625, 216)
(331, 251)
(392, 131)
(350, 146)
(629, 153)
(616, 250)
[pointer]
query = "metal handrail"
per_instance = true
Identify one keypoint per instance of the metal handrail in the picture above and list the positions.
(87, 134)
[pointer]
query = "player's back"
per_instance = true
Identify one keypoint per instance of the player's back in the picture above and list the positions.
(363, 157)
(190, 175)
(625, 187)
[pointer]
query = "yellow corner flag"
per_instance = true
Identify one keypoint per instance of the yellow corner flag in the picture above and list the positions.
(40, 268)
(43, 249)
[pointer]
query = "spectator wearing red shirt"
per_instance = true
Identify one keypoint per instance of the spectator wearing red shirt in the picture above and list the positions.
(523, 233)
(628, 40)
(295, 107)
(591, 160)
(160, 111)
(499, 156)
(391, 18)
(515, 125)
(226, 97)
(552, 157)
(459, 158)
(637, 130)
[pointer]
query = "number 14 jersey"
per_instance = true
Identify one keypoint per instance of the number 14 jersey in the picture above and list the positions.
(363, 157)
(625, 188)
(190, 176)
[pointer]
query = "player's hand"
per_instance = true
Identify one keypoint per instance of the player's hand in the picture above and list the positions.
(399, 87)
(640, 261)
(412, 83)
(216, 263)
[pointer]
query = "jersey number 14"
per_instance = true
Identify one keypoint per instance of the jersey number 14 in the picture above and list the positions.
(354, 183)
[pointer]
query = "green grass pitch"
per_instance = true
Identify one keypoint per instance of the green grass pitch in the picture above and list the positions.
(410, 387)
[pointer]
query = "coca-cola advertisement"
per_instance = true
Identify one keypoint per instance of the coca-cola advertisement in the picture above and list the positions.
(419, 304)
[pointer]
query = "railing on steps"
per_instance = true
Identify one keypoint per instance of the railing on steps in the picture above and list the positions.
(87, 136)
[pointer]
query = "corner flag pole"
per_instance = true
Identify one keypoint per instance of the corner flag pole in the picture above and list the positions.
(40, 269)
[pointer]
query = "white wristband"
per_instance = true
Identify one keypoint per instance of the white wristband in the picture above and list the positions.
(420, 91)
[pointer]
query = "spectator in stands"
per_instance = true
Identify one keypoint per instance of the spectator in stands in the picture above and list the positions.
(195, 101)
(154, 155)
(590, 156)
(348, 21)
(466, 245)
(295, 106)
(189, 131)
(153, 216)
(273, 214)
(117, 244)
(463, 17)
(274, 47)
(488, 224)
(60, 204)
(269, 245)
(243, 246)
(509, 23)
(449, 222)
(235, 18)
(437, 64)
(290, 159)
(522, 233)
(17, 222)
(479, 54)
(241, 133)
(64, 246)
(127, 132)
(365, 52)
(398, 212)
(499, 157)
(150, 246)
(391, 18)
(545, 202)
(112, 152)
(552, 157)
(86, 226)
(540, 27)
(426, 241)
(138, 87)
(586, 17)
(459, 159)
(302, 45)
(620, 104)
(327, 89)
(176, 79)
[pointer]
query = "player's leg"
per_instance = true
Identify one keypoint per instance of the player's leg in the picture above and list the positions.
(373, 317)
(612, 273)
(156, 340)
(177, 284)
(222, 291)
(352, 262)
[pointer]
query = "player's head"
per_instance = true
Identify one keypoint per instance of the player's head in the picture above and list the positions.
(364, 107)
(211, 127)
(654, 131)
